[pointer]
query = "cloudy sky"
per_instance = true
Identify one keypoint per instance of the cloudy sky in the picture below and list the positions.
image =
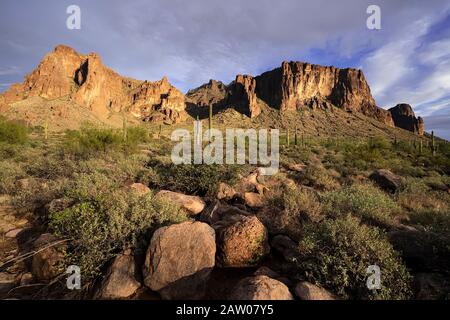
(192, 41)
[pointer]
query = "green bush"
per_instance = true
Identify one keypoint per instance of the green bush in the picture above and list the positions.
(366, 201)
(194, 179)
(13, 133)
(105, 221)
(298, 206)
(336, 254)
(89, 141)
(9, 173)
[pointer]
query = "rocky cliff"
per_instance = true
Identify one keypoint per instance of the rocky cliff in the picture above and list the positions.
(405, 118)
(297, 85)
(84, 79)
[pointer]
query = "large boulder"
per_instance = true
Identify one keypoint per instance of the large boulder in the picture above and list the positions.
(241, 241)
(120, 281)
(179, 260)
(225, 191)
(260, 287)
(308, 291)
(49, 257)
(192, 204)
(386, 180)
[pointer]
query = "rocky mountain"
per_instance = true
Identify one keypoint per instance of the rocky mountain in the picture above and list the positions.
(405, 118)
(80, 87)
(297, 86)
(85, 81)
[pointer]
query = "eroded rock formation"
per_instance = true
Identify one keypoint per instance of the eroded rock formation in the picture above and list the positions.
(85, 80)
(405, 118)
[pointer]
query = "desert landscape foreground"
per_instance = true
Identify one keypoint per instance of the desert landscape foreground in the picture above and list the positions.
(87, 180)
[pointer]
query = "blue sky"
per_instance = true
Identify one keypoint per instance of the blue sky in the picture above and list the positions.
(408, 60)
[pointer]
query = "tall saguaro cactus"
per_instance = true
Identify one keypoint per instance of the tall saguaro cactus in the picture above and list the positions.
(296, 136)
(287, 137)
(125, 127)
(433, 143)
(46, 127)
(210, 119)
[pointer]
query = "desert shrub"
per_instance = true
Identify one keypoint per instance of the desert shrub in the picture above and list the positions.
(336, 254)
(194, 179)
(9, 173)
(105, 221)
(13, 133)
(317, 176)
(297, 206)
(366, 201)
(89, 141)
(417, 195)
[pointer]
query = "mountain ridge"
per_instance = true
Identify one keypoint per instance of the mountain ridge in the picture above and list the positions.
(82, 80)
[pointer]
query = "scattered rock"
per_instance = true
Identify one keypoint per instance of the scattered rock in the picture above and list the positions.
(13, 233)
(285, 246)
(139, 188)
(241, 241)
(179, 260)
(26, 278)
(386, 180)
(193, 204)
(254, 200)
(265, 271)
(217, 211)
(260, 288)
(308, 291)
(225, 191)
(298, 167)
(120, 281)
(7, 282)
(46, 264)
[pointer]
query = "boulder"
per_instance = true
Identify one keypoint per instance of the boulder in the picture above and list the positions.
(47, 263)
(13, 233)
(139, 188)
(241, 241)
(192, 204)
(260, 288)
(386, 180)
(225, 191)
(285, 246)
(254, 200)
(217, 211)
(308, 291)
(179, 260)
(120, 281)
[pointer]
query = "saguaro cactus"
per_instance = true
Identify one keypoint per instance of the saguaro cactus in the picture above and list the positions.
(287, 137)
(46, 127)
(210, 119)
(433, 143)
(125, 127)
(296, 137)
(421, 146)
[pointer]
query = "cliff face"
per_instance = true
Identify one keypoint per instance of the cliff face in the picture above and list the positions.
(297, 85)
(405, 118)
(84, 80)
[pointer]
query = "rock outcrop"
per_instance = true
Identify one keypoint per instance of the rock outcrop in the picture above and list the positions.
(261, 288)
(293, 86)
(83, 79)
(242, 241)
(179, 260)
(405, 118)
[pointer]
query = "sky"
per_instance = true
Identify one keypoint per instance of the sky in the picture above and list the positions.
(190, 42)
